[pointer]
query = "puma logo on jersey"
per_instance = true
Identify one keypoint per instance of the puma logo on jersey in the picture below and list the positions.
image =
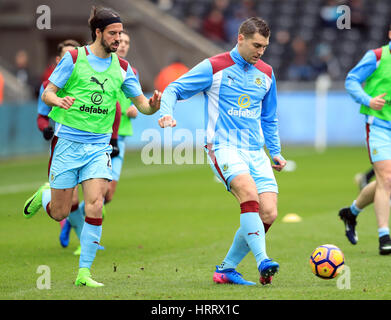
(230, 80)
(256, 233)
(93, 79)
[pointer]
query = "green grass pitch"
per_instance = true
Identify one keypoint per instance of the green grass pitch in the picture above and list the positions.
(169, 225)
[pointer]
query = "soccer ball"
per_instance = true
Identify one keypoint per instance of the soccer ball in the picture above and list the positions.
(327, 261)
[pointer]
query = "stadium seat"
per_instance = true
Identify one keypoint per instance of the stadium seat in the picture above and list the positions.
(302, 18)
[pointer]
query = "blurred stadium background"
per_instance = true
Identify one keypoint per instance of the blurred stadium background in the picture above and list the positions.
(309, 54)
(179, 205)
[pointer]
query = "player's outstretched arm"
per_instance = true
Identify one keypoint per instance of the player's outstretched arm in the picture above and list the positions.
(147, 106)
(49, 97)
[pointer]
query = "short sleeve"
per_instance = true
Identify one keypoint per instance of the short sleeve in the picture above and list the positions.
(63, 71)
(131, 86)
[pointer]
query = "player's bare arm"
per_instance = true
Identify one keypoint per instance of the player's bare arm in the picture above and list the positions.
(148, 106)
(49, 96)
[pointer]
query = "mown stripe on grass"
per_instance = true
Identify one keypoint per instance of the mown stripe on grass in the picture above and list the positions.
(127, 173)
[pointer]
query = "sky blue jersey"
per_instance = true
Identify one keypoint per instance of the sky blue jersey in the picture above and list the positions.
(42, 108)
(131, 87)
(358, 75)
(240, 101)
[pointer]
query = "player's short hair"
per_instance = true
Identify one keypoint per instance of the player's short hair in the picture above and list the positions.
(101, 17)
(254, 25)
(67, 43)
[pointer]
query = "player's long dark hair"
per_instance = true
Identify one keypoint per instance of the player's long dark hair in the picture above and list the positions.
(97, 18)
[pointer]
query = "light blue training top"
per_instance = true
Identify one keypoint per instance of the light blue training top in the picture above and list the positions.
(240, 101)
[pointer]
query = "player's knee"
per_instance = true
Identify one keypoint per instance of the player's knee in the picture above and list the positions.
(94, 208)
(59, 211)
(387, 183)
(269, 214)
(59, 215)
(244, 189)
(248, 194)
(384, 183)
(272, 216)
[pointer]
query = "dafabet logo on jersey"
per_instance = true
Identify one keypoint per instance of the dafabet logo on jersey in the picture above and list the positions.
(91, 109)
(96, 98)
(244, 102)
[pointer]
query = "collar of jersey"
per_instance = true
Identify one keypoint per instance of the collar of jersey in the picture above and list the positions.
(98, 58)
(238, 59)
